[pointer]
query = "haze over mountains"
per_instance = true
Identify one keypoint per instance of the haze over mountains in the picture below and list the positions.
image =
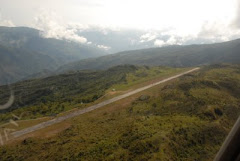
(23, 51)
(26, 53)
(108, 80)
(175, 56)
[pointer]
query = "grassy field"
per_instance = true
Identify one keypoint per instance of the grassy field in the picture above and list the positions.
(185, 119)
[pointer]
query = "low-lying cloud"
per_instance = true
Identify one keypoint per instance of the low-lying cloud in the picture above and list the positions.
(216, 32)
(5, 22)
(52, 27)
(148, 37)
(172, 40)
(103, 47)
(159, 43)
(236, 22)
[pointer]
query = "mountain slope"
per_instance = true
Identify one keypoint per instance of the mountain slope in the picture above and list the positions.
(24, 52)
(44, 96)
(30, 39)
(16, 63)
(176, 56)
(187, 119)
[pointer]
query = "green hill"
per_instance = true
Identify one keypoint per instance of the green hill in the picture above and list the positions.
(24, 52)
(52, 95)
(175, 56)
(84, 86)
(187, 119)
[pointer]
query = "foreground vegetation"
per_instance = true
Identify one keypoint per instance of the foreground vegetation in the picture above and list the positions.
(185, 120)
(53, 95)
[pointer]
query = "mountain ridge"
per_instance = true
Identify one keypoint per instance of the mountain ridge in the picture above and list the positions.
(23, 52)
(175, 56)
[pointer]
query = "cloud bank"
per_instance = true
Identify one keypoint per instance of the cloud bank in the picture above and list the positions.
(103, 47)
(172, 40)
(148, 37)
(159, 43)
(4, 22)
(236, 22)
(196, 30)
(53, 27)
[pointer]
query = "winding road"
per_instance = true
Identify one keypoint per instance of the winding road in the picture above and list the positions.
(94, 107)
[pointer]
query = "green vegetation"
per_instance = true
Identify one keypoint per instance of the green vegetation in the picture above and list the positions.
(144, 74)
(185, 120)
(23, 53)
(175, 56)
(50, 96)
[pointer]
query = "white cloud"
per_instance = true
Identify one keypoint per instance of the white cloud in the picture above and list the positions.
(53, 27)
(171, 41)
(236, 21)
(148, 37)
(103, 47)
(210, 31)
(78, 26)
(159, 43)
(186, 16)
(216, 32)
(4, 22)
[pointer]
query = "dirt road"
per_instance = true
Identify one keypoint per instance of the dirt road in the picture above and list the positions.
(91, 108)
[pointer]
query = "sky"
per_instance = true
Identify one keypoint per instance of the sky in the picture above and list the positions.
(216, 20)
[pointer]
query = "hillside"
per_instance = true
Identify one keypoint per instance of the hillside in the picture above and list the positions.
(16, 63)
(24, 52)
(175, 56)
(52, 95)
(186, 119)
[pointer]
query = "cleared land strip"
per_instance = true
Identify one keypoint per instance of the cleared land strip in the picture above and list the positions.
(91, 108)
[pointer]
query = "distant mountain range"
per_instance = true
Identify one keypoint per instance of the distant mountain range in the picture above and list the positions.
(119, 40)
(24, 52)
(175, 56)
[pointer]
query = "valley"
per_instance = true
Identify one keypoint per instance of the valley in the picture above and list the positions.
(129, 80)
(174, 121)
